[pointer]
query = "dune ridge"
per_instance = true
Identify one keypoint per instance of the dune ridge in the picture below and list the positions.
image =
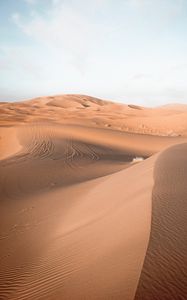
(164, 271)
(88, 210)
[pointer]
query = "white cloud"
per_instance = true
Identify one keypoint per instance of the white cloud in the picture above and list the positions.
(66, 29)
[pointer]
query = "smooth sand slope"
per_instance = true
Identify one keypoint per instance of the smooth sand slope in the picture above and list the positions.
(93, 200)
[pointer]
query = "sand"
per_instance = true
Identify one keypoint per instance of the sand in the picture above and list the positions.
(93, 200)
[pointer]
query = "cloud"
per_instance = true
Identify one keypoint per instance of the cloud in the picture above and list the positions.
(65, 28)
(75, 31)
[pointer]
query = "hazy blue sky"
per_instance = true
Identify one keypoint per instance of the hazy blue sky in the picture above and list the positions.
(126, 50)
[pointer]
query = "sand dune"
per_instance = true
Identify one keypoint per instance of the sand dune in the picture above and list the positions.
(93, 112)
(92, 200)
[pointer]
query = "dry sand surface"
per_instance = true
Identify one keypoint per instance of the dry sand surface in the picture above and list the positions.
(93, 200)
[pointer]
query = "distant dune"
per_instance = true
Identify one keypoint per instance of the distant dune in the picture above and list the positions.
(93, 200)
(93, 112)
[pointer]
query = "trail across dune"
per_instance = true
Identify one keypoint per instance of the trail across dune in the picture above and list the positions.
(91, 205)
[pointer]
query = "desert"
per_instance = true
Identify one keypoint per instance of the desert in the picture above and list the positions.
(92, 199)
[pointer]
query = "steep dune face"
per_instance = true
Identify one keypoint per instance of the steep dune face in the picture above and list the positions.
(88, 210)
(164, 271)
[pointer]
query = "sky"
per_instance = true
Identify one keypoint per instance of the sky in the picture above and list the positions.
(130, 51)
